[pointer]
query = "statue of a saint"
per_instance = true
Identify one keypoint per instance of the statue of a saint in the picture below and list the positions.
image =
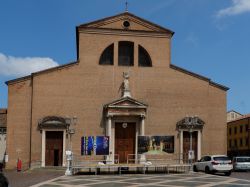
(125, 81)
(125, 85)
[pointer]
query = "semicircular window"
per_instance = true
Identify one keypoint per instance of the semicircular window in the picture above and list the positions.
(107, 57)
(126, 53)
(144, 58)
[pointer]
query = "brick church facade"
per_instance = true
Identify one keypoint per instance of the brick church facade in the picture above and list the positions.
(122, 84)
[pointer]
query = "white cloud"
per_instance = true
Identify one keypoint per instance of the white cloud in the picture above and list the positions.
(238, 7)
(20, 66)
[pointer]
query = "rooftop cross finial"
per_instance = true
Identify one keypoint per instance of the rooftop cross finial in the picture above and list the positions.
(126, 4)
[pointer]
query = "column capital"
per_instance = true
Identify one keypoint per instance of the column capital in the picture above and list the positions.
(143, 116)
(109, 116)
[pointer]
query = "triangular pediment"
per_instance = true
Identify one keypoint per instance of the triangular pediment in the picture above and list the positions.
(135, 24)
(126, 102)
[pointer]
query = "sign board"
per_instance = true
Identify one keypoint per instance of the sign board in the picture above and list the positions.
(190, 154)
(95, 145)
(155, 144)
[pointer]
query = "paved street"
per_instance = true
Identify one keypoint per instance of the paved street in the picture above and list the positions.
(156, 180)
(31, 177)
(241, 175)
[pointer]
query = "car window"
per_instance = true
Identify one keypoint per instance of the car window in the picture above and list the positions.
(207, 158)
(243, 159)
(218, 158)
(202, 159)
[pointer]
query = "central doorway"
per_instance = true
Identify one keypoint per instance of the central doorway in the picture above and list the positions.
(125, 140)
(54, 148)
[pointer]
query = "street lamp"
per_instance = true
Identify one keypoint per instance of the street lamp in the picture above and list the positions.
(71, 122)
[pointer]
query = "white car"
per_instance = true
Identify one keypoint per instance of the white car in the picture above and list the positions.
(214, 163)
(241, 163)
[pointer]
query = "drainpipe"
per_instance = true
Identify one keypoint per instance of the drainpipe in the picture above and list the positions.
(31, 107)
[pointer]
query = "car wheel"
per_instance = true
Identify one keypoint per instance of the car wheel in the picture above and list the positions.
(195, 169)
(207, 170)
(228, 173)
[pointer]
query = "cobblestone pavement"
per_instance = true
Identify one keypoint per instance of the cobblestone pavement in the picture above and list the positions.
(156, 180)
(241, 175)
(31, 177)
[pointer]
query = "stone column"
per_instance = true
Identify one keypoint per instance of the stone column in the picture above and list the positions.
(110, 157)
(199, 145)
(142, 126)
(142, 133)
(43, 147)
(64, 148)
(181, 146)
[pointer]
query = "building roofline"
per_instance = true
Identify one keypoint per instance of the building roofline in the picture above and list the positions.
(129, 14)
(240, 118)
(199, 77)
(235, 112)
(41, 72)
(3, 110)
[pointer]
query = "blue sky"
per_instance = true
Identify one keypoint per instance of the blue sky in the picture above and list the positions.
(212, 37)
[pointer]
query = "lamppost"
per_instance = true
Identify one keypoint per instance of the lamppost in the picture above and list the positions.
(71, 122)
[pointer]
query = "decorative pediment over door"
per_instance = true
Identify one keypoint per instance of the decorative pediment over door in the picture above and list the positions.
(125, 106)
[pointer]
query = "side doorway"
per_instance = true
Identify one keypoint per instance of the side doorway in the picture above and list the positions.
(54, 148)
(186, 144)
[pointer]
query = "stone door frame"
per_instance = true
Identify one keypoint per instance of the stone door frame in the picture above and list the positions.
(44, 146)
(125, 109)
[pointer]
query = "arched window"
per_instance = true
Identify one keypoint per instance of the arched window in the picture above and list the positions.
(144, 58)
(126, 53)
(107, 57)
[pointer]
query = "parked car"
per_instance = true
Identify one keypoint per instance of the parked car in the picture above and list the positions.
(213, 164)
(241, 163)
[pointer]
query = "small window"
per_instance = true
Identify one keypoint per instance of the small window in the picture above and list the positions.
(230, 143)
(126, 53)
(144, 58)
(241, 142)
(247, 141)
(235, 130)
(246, 127)
(241, 129)
(107, 57)
(230, 131)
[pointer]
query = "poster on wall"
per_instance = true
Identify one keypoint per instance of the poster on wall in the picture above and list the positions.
(155, 144)
(95, 145)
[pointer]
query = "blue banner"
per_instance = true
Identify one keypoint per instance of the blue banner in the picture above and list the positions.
(95, 145)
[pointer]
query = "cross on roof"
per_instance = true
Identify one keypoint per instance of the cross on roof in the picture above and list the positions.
(126, 4)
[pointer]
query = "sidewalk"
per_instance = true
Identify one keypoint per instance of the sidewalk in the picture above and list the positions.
(31, 177)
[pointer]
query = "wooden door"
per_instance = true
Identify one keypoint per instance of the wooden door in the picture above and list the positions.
(124, 140)
(186, 144)
(54, 148)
